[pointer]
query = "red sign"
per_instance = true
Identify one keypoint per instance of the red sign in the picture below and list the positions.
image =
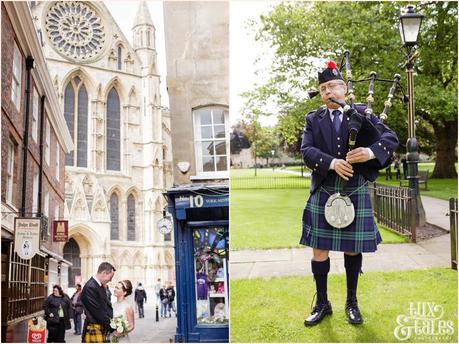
(36, 336)
(36, 330)
(60, 230)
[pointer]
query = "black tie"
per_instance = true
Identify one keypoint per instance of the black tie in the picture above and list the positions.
(336, 120)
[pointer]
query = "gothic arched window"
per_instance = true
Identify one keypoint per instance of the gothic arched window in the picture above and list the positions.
(131, 218)
(148, 38)
(76, 116)
(119, 57)
(113, 156)
(114, 217)
(72, 254)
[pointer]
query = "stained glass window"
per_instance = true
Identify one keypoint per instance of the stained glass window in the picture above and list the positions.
(131, 218)
(69, 114)
(76, 116)
(72, 254)
(114, 217)
(82, 138)
(119, 58)
(113, 131)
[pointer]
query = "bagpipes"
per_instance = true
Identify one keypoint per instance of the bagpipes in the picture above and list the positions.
(357, 121)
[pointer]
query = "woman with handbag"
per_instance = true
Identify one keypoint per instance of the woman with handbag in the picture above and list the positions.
(58, 311)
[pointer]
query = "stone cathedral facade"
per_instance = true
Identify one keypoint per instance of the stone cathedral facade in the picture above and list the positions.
(122, 161)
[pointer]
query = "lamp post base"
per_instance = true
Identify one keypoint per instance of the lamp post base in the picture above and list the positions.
(412, 160)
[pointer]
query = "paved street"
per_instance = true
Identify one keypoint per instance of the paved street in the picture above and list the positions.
(147, 330)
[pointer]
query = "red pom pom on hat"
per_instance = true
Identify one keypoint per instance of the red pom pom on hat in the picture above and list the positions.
(331, 64)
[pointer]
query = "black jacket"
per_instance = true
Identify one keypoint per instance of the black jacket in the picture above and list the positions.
(140, 296)
(51, 306)
(97, 307)
(317, 150)
(170, 294)
(78, 307)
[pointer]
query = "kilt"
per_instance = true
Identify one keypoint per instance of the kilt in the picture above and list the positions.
(95, 333)
(361, 235)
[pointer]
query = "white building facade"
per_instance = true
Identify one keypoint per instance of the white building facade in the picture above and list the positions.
(109, 92)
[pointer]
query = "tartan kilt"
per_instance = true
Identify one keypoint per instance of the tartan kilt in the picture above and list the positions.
(361, 235)
(95, 333)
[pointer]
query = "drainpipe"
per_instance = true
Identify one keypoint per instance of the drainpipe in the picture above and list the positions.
(40, 166)
(25, 143)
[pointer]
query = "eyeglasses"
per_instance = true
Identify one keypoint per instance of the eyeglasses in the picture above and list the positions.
(331, 87)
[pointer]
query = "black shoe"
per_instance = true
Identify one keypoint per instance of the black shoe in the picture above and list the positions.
(318, 313)
(353, 313)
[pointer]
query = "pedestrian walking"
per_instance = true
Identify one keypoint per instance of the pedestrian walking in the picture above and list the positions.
(171, 298)
(157, 289)
(140, 296)
(164, 300)
(58, 310)
(77, 308)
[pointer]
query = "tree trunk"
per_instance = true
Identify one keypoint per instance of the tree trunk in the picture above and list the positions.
(446, 135)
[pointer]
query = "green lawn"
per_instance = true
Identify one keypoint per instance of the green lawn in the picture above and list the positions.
(438, 188)
(264, 219)
(274, 310)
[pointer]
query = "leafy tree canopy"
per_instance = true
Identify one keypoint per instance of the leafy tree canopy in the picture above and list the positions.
(305, 33)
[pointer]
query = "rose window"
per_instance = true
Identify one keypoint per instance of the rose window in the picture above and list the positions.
(75, 30)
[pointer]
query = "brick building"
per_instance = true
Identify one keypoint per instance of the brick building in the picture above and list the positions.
(38, 189)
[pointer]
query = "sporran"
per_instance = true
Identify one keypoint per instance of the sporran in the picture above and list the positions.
(339, 211)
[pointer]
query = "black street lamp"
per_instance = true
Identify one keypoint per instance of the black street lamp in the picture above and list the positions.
(410, 23)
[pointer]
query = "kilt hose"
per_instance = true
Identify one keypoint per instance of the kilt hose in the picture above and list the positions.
(361, 235)
(94, 333)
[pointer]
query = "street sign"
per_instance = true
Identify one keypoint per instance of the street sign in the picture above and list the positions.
(60, 230)
(26, 236)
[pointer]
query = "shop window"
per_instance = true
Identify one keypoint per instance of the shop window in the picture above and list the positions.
(211, 142)
(211, 263)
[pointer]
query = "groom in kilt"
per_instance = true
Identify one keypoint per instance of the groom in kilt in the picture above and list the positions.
(325, 151)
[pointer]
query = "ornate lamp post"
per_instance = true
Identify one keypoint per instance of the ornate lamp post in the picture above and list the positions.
(410, 23)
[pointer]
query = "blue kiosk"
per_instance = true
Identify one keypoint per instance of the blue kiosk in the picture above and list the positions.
(200, 215)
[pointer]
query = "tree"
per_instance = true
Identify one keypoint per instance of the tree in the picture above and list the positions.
(304, 32)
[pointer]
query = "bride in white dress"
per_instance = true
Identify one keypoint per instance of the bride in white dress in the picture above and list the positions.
(123, 308)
